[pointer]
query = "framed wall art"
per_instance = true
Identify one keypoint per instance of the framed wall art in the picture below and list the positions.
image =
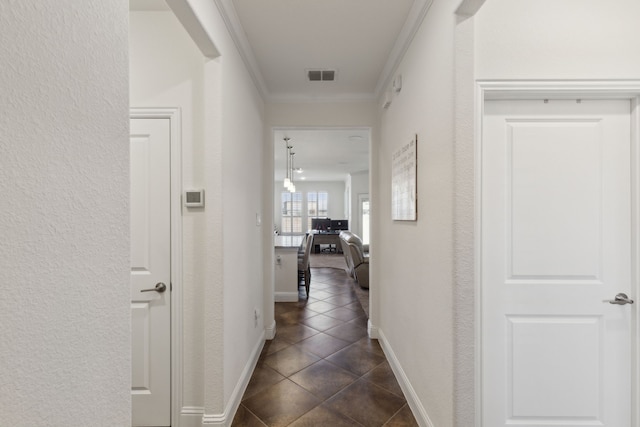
(404, 191)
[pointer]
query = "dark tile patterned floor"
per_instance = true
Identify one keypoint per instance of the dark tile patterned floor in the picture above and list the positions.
(321, 369)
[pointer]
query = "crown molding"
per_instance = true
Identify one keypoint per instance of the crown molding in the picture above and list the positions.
(231, 20)
(414, 19)
(324, 98)
(411, 26)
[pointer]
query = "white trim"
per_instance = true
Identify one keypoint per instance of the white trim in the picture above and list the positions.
(298, 98)
(635, 254)
(411, 26)
(553, 89)
(285, 296)
(191, 416)
(192, 24)
(373, 331)
(238, 35)
(175, 121)
(418, 410)
(226, 418)
(270, 331)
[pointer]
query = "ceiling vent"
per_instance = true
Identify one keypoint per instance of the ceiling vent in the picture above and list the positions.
(321, 75)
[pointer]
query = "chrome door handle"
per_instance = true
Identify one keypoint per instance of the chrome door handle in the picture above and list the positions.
(160, 288)
(620, 299)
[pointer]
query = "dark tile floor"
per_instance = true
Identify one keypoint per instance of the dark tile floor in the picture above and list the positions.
(322, 369)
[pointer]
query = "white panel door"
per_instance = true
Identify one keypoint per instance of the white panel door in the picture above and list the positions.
(150, 269)
(556, 242)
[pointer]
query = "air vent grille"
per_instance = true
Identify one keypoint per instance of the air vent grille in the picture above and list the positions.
(321, 75)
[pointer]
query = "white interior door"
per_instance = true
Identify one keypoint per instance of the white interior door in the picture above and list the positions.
(556, 242)
(150, 272)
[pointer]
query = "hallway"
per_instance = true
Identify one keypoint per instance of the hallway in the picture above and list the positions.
(322, 369)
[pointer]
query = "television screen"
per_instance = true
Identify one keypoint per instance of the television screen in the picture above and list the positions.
(320, 223)
(339, 224)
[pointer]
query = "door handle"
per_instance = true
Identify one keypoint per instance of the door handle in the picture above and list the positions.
(160, 288)
(620, 299)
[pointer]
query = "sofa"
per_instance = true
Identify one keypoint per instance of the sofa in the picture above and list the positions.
(356, 258)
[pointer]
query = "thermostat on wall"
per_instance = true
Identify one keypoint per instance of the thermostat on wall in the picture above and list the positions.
(194, 198)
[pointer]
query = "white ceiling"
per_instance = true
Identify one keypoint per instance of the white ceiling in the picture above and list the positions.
(354, 37)
(323, 155)
(279, 40)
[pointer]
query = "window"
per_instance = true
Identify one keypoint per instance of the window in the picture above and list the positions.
(291, 213)
(317, 206)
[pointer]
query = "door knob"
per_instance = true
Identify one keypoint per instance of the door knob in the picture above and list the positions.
(620, 299)
(160, 288)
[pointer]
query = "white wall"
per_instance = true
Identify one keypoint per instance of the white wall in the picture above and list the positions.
(415, 270)
(558, 39)
(335, 189)
(222, 239)
(358, 185)
(64, 215)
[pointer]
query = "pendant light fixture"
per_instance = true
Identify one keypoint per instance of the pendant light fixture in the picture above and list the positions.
(288, 180)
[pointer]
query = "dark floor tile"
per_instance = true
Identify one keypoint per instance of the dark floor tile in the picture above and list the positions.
(271, 346)
(244, 418)
(263, 377)
(290, 360)
(295, 333)
(383, 376)
(323, 379)
(322, 286)
(321, 306)
(342, 299)
(321, 322)
(348, 332)
(292, 317)
(344, 314)
(366, 403)
(281, 404)
(403, 418)
(322, 345)
(320, 294)
(355, 306)
(284, 307)
(356, 360)
(323, 417)
(360, 320)
(370, 345)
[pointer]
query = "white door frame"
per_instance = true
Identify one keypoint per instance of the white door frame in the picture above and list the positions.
(614, 89)
(174, 116)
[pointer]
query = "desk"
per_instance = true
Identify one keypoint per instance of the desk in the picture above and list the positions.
(326, 238)
(286, 267)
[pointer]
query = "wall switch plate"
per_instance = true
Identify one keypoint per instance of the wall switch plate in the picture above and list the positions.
(194, 198)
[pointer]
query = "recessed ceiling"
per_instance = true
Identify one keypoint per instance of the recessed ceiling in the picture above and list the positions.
(323, 155)
(356, 38)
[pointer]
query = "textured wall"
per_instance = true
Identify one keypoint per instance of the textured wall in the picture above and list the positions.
(415, 272)
(64, 216)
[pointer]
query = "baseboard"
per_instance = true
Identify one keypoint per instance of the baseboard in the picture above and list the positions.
(285, 296)
(372, 330)
(270, 331)
(226, 418)
(191, 416)
(419, 412)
